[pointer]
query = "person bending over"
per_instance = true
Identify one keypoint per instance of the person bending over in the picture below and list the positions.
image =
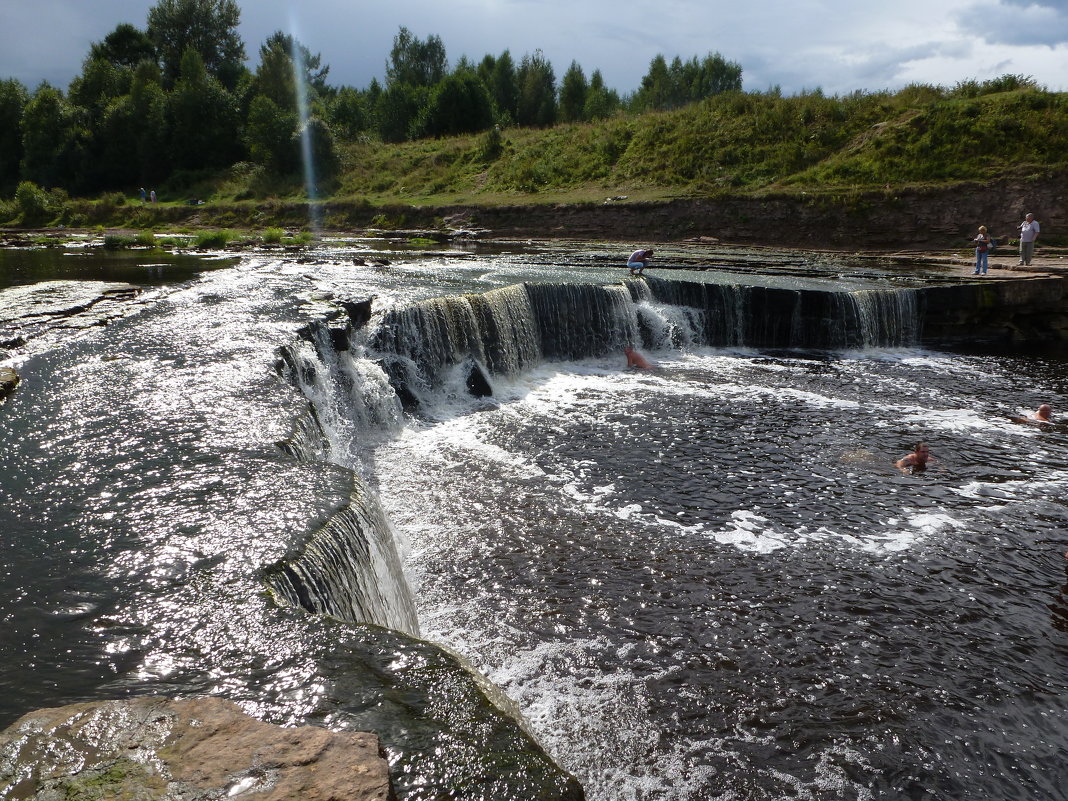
(638, 261)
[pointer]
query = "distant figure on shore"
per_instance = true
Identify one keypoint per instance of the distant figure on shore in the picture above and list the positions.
(638, 261)
(982, 251)
(152, 196)
(1044, 414)
(635, 360)
(1029, 230)
(915, 462)
(143, 196)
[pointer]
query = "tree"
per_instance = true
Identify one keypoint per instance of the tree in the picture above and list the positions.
(47, 135)
(415, 63)
(500, 78)
(13, 99)
(275, 78)
(126, 46)
(148, 105)
(665, 87)
(100, 83)
(655, 89)
(397, 112)
(573, 91)
(207, 26)
(321, 150)
(601, 101)
(717, 76)
(459, 104)
(269, 134)
(347, 112)
(312, 68)
(537, 91)
(202, 118)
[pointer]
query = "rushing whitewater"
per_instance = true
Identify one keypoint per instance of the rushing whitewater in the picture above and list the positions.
(701, 580)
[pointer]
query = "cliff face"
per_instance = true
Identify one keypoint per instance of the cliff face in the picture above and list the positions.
(1032, 312)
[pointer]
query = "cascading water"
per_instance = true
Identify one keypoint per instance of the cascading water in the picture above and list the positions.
(351, 568)
(511, 329)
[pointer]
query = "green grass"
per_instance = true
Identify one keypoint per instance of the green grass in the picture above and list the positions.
(734, 144)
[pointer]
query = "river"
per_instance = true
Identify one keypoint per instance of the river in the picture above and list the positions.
(704, 580)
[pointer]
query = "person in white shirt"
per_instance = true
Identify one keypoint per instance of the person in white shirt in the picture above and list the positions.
(1029, 229)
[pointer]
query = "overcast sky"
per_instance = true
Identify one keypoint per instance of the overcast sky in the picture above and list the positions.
(836, 45)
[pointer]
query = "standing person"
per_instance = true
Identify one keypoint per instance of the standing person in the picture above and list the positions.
(639, 260)
(142, 196)
(152, 195)
(982, 251)
(1029, 229)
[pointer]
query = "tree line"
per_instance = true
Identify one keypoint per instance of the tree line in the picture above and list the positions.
(174, 99)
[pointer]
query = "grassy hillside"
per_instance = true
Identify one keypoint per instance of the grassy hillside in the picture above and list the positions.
(734, 144)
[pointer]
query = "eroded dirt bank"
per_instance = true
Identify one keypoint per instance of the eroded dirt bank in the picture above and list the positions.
(893, 219)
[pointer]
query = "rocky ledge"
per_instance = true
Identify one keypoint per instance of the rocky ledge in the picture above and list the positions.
(193, 750)
(27, 312)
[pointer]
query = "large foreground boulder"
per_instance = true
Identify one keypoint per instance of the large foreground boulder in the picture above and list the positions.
(195, 750)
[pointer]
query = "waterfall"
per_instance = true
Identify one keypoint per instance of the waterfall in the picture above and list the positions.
(888, 317)
(769, 317)
(355, 384)
(349, 569)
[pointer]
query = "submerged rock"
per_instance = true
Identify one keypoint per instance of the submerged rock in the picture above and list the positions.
(9, 379)
(194, 750)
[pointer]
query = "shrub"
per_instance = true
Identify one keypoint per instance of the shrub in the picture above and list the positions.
(213, 239)
(273, 236)
(491, 145)
(32, 203)
(117, 241)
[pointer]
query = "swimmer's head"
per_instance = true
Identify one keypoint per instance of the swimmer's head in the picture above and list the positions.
(1045, 411)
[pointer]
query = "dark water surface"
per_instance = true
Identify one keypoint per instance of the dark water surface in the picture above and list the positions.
(710, 581)
(702, 581)
(20, 266)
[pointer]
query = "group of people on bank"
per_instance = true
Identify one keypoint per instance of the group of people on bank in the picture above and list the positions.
(984, 243)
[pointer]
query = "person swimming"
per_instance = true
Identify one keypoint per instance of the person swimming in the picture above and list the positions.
(915, 462)
(1044, 414)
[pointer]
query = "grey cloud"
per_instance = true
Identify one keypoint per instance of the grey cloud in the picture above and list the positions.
(1018, 22)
